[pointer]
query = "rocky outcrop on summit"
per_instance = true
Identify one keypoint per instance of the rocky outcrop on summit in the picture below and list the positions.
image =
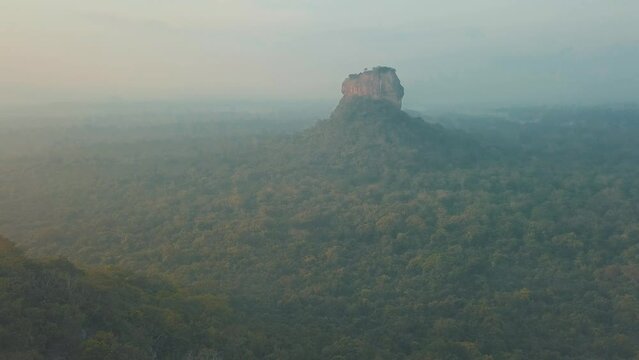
(380, 83)
(369, 133)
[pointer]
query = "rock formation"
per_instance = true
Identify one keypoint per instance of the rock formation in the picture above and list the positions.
(380, 83)
(368, 128)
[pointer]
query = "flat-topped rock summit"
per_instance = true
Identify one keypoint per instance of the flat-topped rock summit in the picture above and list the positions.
(368, 128)
(380, 83)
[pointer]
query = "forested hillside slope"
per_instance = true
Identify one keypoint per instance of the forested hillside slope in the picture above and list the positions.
(54, 310)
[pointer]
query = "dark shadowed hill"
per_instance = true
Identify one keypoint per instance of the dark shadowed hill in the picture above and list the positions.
(50, 309)
(374, 131)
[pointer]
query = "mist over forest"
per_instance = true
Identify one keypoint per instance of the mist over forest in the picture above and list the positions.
(368, 235)
(189, 181)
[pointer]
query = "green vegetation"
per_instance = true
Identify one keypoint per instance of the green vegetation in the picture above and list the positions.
(369, 236)
(53, 310)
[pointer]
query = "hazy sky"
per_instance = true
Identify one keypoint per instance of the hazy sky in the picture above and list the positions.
(446, 52)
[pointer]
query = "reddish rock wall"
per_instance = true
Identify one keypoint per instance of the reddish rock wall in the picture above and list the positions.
(381, 83)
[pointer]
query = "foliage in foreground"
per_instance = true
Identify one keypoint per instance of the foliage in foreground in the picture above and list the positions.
(53, 310)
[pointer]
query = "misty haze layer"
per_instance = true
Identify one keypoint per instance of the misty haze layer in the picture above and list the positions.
(491, 52)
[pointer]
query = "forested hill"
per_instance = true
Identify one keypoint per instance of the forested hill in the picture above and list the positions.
(368, 134)
(50, 309)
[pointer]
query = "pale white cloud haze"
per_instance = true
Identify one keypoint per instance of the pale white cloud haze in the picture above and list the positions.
(446, 52)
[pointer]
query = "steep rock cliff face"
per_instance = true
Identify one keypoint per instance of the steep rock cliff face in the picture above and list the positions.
(380, 83)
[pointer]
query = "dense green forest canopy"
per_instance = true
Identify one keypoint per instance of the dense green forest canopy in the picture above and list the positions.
(511, 235)
(54, 310)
